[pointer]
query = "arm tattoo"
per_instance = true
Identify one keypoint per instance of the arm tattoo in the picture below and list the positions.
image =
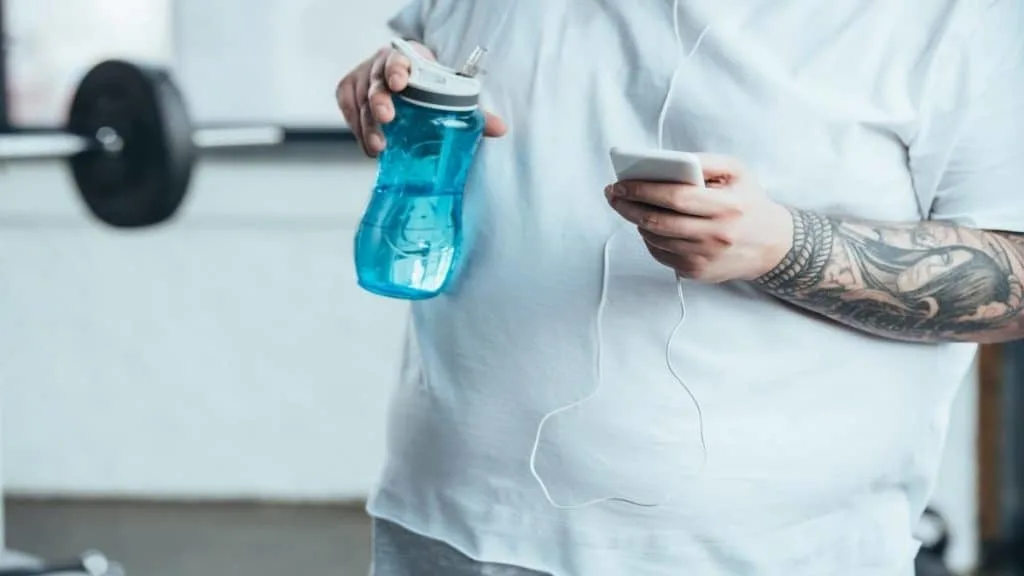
(923, 281)
(804, 266)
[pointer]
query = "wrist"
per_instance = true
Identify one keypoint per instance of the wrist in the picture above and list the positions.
(779, 233)
(802, 265)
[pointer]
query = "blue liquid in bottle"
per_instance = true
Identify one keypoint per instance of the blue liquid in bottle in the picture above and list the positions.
(409, 240)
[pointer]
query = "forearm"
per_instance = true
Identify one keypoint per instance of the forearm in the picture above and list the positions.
(922, 282)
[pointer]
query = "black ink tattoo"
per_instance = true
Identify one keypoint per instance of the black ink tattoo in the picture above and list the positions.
(803, 267)
(927, 281)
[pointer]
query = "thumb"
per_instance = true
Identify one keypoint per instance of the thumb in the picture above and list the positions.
(721, 169)
(494, 127)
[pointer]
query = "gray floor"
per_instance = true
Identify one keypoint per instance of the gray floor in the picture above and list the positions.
(198, 539)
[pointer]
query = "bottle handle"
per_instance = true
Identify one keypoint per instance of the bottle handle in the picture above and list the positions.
(417, 59)
(470, 69)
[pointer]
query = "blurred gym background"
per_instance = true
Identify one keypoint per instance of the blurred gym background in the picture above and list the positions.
(208, 397)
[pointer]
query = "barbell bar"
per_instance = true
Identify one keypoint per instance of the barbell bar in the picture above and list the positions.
(131, 144)
(55, 145)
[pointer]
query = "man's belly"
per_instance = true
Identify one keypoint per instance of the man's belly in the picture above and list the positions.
(819, 496)
(819, 443)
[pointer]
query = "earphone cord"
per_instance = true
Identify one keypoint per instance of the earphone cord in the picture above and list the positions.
(600, 321)
(679, 279)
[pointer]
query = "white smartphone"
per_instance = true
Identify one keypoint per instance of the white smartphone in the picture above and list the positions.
(657, 166)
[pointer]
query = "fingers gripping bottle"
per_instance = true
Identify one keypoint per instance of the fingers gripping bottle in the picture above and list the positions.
(409, 239)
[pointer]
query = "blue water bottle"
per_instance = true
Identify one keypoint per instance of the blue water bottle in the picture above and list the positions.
(409, 240)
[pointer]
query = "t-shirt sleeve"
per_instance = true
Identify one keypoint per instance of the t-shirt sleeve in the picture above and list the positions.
(970, 159)
(410, 22)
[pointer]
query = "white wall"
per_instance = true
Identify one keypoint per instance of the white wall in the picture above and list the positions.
(273, 60)
(227, 355)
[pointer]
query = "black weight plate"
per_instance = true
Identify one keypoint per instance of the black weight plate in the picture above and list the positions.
(146, 181)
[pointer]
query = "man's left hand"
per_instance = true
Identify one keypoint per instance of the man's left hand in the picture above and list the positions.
(729, 230)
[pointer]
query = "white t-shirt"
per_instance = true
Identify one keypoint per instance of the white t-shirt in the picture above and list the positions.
(822, 442)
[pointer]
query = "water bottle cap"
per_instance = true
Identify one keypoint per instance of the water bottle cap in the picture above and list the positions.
(436, 86)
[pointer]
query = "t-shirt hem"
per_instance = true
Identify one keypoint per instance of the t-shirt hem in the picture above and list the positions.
(473, 532)
(389, 506)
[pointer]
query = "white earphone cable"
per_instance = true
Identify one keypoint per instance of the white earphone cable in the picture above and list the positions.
(600, 321)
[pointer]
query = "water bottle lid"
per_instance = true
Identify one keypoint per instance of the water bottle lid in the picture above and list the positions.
(436, 86)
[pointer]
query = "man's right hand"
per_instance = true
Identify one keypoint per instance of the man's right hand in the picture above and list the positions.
(364, 96)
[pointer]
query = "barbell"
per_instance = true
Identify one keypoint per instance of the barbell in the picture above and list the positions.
(131, 144)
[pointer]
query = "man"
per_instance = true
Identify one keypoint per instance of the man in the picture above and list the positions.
(860, 237)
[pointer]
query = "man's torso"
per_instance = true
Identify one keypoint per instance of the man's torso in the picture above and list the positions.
(821, 442)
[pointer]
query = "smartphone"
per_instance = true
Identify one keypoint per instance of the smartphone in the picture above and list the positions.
(657, 166)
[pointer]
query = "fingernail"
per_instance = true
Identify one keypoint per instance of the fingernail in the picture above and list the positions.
(619, 190)
(380, 111)
(376, 141)
(393, 79)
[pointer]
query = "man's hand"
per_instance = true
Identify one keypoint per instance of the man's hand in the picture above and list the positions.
(729, 231)
(364, 96)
